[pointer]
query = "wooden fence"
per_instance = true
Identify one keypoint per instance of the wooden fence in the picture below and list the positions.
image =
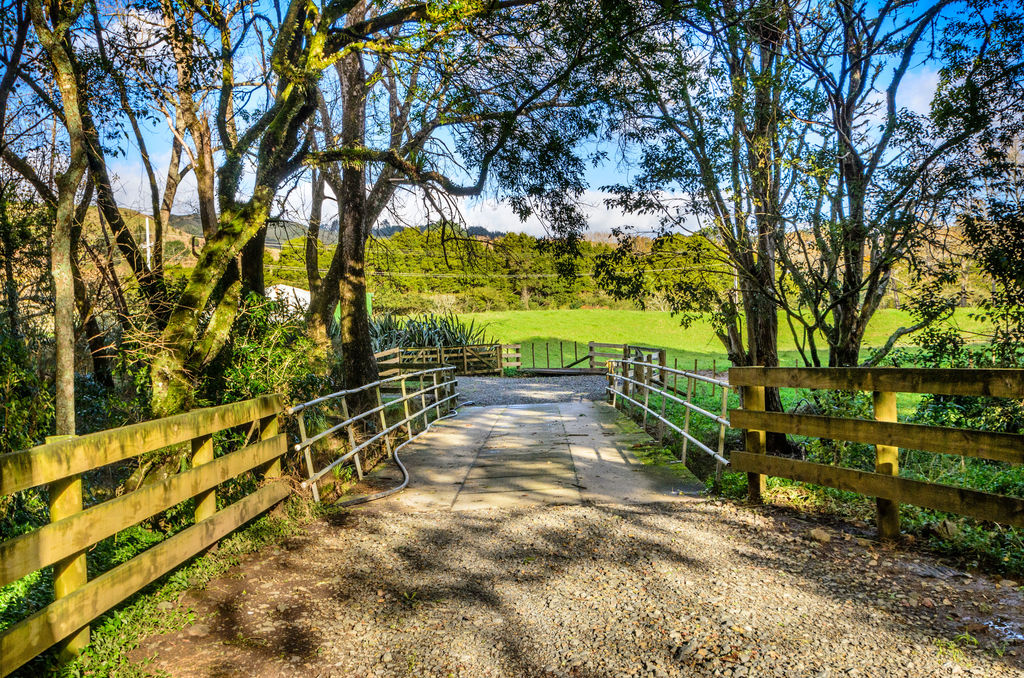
(884, 432)
(565, 357)
(475, 359)
(72, 530)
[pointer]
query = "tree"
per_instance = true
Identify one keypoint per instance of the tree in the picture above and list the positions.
(448, 114)
(819, 181)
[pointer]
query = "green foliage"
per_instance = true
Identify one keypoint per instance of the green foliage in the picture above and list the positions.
(388, 331)
(26, 404)
(269, 352)
(442, 269)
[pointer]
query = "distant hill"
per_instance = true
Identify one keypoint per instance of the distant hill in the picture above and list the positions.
(278, 232)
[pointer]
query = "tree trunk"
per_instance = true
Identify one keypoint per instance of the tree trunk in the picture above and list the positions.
(252, 264)
(359, 366)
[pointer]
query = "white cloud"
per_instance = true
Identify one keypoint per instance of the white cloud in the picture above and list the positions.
(918, 89)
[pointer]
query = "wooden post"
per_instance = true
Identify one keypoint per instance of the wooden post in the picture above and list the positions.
(501, 359)
(533, 354)
(308, 455)
(547, 354)
(423, 402)
(887, 461)
(675, 376)
(202, 453)
(437, 407)
(593, 358)
(351, 437)
(611, 380)
(69, 573)
(662, 364)
(753, 399)
(664, 403)
(686, 416)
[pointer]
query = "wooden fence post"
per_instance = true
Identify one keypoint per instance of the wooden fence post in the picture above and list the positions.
(593, 358)
(308, 454)
(384, 423)
(202, 453)
(717, 487)
(611, 380)
(436, 408)
(753, 399)
(664, 402)
(70, 573)
(887, 461)
(405, 408)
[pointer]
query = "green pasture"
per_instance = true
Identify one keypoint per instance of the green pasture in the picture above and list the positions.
(541, 331)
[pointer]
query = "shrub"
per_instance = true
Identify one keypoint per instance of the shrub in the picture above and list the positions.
(388, 331)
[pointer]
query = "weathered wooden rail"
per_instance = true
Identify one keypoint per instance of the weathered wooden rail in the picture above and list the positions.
(62, 544)
(884, 432)
(469, 360)
(629, 378)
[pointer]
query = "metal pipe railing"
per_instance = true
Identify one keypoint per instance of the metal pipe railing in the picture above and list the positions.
(643, 377)
(439, 388)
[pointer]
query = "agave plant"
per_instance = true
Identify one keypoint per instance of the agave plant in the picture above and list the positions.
(388, 331)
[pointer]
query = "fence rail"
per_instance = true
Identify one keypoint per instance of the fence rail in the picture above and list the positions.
(884, 432)
(626, 378)
(468, 360)
(63, 542)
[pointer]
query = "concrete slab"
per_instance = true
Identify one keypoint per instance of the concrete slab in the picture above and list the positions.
(530, 455)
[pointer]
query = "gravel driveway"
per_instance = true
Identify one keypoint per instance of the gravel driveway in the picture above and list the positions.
(486, 391)
(698, 588)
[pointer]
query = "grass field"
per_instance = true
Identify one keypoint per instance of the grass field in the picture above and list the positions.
(541, 331)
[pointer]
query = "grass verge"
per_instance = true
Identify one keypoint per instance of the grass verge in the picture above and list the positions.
(154, 609)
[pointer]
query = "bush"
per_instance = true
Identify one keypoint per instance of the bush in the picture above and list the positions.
(26, 404)
(269, 352)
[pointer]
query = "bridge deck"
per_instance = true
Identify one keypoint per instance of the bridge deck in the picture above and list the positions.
(528, 455)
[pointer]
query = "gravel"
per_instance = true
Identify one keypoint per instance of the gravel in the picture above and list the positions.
(701, 588)
(486, 391)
